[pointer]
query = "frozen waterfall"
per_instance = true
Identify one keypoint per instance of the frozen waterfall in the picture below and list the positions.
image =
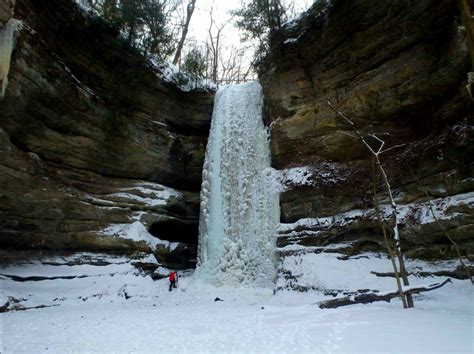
(239, 207)
(7, 44)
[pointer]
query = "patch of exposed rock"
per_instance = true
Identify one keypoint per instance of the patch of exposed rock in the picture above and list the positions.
(7, 8)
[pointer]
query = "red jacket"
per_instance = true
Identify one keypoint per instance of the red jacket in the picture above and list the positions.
(172, 276)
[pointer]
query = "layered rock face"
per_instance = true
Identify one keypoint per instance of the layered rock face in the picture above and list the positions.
(6, 11)
(94, 146)
(397, 69)
(90, 136)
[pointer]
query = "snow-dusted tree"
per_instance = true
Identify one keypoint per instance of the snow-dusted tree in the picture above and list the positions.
(392, 254)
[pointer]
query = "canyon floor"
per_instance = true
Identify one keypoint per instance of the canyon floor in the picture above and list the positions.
(107, 306)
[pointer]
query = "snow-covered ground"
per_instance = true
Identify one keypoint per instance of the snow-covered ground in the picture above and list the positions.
(246, 321)
(110, 307)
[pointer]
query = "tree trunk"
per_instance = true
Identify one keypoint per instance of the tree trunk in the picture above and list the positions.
(395, 236)
(390, 250)
(189, 14)
(215, 63)
(367, 298)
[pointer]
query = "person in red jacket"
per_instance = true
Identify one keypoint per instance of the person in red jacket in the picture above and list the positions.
(172, 278)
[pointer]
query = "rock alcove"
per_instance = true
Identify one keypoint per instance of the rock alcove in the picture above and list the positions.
(183, 237)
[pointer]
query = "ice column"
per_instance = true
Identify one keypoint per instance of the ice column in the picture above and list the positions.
(239, 207)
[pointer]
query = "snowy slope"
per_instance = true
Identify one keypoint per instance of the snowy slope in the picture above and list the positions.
(189, 320)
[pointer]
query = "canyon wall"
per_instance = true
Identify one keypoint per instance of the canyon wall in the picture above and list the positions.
(397, 69)
(95, 144)
(91, 136)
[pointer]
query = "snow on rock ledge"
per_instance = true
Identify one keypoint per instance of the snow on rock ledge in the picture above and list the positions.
(135, 232)
(410, 214)
(148, 195)
(322, 174)
(356, 231)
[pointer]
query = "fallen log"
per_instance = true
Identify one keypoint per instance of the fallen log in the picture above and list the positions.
(41, 278)
(458, 273)
(367, 298)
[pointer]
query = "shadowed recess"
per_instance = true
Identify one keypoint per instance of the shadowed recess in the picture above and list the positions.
(175, 231)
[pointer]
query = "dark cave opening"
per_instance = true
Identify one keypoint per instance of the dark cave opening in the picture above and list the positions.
(176, 231)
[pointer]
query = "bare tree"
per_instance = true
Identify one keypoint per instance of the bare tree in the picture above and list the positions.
(189, 13)
(233, 67)
(214, 42)
(376, 152)
(391, 253)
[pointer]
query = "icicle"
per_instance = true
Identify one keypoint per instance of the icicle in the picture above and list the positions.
(239, 207)
(7, 43)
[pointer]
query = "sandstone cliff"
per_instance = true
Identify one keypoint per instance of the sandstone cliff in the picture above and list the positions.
(90, 136)
(397, 69)
(94, 144)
